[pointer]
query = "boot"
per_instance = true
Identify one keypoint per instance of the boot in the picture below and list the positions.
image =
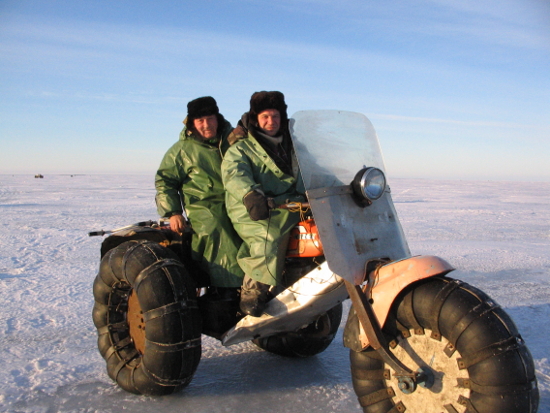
(223, 293)
(254, 296)
(219, 308)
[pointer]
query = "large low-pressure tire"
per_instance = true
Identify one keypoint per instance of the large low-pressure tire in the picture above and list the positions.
(308, 341)
(476, 360)
(147, 318)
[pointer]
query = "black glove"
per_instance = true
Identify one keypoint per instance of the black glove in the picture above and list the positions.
(256, 205)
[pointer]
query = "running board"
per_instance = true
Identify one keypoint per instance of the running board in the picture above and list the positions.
(294, 308)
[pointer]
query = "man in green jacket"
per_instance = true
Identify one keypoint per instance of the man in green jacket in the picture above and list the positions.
(259, 172)
(189, 177)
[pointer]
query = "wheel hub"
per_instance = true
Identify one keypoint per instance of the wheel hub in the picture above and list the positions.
(136, 322)
(438, 375)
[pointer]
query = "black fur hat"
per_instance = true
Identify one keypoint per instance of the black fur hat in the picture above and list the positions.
(200, 107)
(261, 101)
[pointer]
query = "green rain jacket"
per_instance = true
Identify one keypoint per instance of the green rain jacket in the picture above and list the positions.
(189, 176)
(246, 167)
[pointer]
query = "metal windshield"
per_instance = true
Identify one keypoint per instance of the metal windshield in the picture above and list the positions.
(332, 147)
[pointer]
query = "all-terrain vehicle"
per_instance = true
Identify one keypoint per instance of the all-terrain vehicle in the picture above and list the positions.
(419, 340)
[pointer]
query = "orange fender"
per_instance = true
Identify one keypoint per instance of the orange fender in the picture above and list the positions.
(392, 278)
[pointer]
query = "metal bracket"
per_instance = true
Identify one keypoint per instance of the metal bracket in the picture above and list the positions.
(407, 379)
(329, 191)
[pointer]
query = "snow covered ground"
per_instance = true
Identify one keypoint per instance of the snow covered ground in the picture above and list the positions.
(497, 235)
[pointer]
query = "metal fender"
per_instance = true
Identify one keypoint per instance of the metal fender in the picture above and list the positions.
(392, 278)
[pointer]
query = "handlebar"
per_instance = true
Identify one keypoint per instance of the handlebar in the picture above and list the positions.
(294, 205)
(137, 224)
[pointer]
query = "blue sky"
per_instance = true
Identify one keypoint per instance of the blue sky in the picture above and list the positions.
(455, 89)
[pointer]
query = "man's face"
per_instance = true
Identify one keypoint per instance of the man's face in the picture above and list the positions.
(269, 121)
(206, 126)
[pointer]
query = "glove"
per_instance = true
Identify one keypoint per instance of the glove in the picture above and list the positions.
(256, 206)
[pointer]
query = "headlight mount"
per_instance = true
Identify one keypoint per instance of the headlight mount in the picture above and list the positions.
(368, 185)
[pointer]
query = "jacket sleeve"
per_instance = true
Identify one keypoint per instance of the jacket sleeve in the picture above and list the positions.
(168, 183)
(237, 173)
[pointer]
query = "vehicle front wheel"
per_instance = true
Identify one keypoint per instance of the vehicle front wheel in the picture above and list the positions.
(469, 348)
(308, 341)
(147, 318)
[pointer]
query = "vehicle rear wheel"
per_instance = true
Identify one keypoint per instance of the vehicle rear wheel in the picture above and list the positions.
(469, 347)
(147, 318)
(308, 341)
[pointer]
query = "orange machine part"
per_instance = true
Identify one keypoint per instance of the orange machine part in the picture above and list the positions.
(304, 240)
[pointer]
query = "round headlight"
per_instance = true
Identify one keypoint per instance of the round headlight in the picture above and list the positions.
(369, 185)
